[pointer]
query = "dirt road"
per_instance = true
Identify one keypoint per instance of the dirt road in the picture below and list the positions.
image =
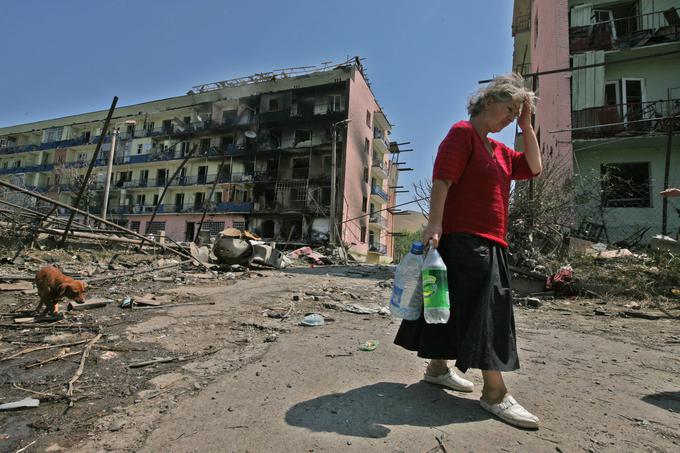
(263, 383)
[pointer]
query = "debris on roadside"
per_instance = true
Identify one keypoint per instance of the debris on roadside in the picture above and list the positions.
(24, 403)
(369, 345)
(313, 320)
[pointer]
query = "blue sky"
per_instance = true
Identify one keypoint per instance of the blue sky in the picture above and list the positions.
(423, 59)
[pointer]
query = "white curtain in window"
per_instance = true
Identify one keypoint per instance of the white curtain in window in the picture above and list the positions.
(581, 15)
(587, 85)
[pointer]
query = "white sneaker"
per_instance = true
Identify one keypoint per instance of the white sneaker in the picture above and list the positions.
(450, 380)
(510, 411)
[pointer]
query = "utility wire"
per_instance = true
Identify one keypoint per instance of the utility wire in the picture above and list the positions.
(386, 209)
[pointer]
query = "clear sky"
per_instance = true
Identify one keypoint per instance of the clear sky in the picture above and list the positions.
(423, 59)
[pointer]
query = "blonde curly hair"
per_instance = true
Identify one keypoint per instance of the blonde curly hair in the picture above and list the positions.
(509, 87)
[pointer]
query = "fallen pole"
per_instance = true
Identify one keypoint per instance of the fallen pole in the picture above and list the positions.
(99, 219)
(86, 180)
(135, 272)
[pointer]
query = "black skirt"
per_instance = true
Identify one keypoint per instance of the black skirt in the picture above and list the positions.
(480, 332)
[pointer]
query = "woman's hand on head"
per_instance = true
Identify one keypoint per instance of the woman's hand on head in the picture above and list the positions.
(671, 192)
(524, 119)
(433, 232)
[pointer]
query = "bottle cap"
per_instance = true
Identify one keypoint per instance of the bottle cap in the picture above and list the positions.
(417, 248)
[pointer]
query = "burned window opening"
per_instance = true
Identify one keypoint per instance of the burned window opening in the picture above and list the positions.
(625, 185)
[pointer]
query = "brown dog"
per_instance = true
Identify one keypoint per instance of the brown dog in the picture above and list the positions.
(53, 285)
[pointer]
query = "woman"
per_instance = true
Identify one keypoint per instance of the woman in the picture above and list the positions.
(468, 225)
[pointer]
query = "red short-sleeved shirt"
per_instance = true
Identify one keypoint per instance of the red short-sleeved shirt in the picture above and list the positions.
(478, 199)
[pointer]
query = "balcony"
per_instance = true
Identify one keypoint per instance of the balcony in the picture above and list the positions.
(629, 119)
(380, 140)
(378, 248)
(521, 24)
(380, 168)
(378, 220)
(626, 32)
(27, 169)
(375, 190)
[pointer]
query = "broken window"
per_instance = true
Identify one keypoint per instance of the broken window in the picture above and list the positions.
(365, 174)
(161, 177)
(224, 173)
(179, 202)
(134, 226)
(202, 174)
(214, 227)
(167, 126)
(53, 134)
(364, 201)
(625, 185)
(156, 227)
(325, 195)
(275, 139)
(149, 127)
(273, 105)
(301, 136)
(300, 168)
(363, 234)
(334, 103)
(199, 197)
(205, 144)
(140, 147)
(141, 200)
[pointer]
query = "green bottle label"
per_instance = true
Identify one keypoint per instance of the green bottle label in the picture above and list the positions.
(435, 288)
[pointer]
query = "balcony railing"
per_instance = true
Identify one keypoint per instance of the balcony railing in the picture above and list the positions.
(27, 169)
(629, 119)
(174, 208)
(522, 68)
(375, 190)
(378, 219)
(379, 134)
(379, 248)
(633, 31)
(380, 164)
(521, 23)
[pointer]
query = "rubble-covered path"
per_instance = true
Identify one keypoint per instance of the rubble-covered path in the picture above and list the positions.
(598, 383)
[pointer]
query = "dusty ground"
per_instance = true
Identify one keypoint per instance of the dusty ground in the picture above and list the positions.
(241, 380)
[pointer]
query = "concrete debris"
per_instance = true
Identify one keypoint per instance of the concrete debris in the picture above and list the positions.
(18, 286)
(364, 310)
(95, 302)
(310, 254)
(24, 403)
(660, 242)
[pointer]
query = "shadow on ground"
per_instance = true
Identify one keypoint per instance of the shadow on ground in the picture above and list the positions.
(665, 400)
(364, 412)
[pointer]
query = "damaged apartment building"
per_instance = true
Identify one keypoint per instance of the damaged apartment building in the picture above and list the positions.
(262, 160)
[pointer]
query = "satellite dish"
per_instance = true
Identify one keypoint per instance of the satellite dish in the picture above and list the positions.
(250, 134)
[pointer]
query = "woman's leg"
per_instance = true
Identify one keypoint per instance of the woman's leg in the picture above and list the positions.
(494, 388)
(437, 367)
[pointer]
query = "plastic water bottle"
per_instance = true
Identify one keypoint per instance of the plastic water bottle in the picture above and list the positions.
(435, 288)
(407, 301)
